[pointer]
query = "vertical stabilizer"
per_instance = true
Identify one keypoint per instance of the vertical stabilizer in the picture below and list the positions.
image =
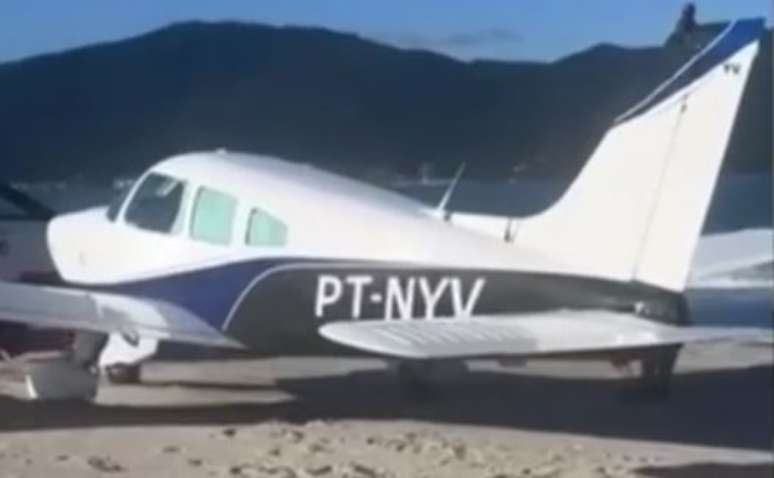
(636, 210)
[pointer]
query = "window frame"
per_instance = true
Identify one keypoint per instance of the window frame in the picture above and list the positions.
(181, 219)
(248, 222)
(117, 204)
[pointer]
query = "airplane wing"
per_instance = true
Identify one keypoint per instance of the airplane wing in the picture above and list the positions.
(564, 331)
(134, 318)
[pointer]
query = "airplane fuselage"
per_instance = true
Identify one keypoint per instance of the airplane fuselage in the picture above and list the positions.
(276, 306)
(397, 261)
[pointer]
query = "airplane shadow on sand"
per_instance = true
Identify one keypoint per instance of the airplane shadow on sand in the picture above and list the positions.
(710, 470)
(731, 408)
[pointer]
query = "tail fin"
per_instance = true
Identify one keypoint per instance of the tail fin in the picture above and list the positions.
(636, 210)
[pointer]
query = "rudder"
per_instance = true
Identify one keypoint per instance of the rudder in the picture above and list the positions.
(636, 210)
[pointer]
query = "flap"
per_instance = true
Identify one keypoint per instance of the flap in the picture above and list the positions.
(562, 331)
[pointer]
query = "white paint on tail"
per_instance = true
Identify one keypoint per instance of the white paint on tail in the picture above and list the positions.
(636, 210)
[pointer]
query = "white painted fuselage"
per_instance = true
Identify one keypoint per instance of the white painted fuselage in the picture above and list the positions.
(326, 216)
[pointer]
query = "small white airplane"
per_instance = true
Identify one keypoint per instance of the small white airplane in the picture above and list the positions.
(235, 250)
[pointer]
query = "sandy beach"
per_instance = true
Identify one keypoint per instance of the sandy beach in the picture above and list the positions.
(326, 417)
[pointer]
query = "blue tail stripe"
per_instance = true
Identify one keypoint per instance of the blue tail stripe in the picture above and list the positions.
(735, 37)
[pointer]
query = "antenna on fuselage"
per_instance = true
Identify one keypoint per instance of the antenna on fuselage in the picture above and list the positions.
(444, 203)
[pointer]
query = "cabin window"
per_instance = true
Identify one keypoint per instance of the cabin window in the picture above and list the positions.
(263, 229)
(213, 217)
(156, 205)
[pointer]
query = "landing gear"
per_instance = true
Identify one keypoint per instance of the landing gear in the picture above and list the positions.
(86, 348)
(413, 381)
(420, 379)
(652, 373)
(657, 371)
(122, 374)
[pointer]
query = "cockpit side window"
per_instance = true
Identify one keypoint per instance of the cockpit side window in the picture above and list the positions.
(265, 230)
(213, 215)
(157, 204)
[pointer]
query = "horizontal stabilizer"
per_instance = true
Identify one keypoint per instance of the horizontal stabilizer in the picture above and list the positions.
(77, 309)
(723, 255)
(557, 332)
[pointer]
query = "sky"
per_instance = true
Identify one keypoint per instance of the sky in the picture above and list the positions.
(496, 29)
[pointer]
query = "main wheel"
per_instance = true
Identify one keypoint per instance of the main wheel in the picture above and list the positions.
(414, 382)
(657, 371)
(121, 374)
(420, 380)
(652, 379)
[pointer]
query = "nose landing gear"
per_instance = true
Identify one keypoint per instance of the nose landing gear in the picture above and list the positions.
(124, 374)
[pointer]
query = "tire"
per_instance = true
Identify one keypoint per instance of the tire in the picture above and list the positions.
(121, 374)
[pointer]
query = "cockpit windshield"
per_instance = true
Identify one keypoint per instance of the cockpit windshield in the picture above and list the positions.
(156, 205)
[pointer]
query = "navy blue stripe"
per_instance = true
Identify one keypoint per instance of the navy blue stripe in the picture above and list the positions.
(733, 39)
(208, 293)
